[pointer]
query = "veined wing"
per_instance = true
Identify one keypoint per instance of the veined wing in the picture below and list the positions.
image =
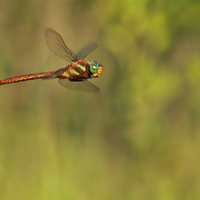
(84, 85)
(57, 45)
(86, 50)
(55, 74)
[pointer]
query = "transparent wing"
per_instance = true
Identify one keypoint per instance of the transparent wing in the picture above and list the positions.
(86, 50)
(55, 74)
(57, 45)
(85, 86)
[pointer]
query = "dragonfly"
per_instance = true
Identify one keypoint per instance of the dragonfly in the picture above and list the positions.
(73, 76)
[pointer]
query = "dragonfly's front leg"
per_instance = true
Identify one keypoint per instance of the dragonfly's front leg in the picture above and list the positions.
(77, 79)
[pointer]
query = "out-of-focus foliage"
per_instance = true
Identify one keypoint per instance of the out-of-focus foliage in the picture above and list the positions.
(139, 138)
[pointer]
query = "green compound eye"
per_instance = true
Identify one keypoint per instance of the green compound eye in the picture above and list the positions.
(94, 67)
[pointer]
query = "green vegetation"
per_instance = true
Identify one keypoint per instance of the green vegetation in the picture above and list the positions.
(138, 139)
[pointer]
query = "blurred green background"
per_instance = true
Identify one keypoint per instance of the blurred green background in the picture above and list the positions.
(138, 139)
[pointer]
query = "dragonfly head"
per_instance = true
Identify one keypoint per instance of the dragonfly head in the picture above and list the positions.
(95, 68)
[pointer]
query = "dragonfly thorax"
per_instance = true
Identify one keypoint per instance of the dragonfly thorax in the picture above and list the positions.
(95, 68)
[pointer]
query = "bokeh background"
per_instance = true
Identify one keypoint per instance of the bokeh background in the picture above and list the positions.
(138, 139)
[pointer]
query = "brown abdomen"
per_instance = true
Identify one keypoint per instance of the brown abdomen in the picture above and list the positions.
(26, 77)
